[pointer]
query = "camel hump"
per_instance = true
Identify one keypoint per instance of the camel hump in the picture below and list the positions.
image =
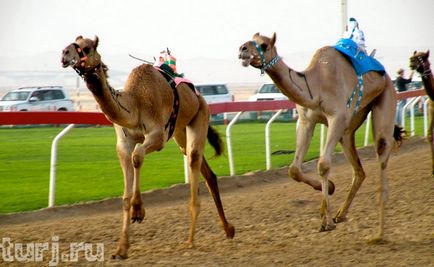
(361, 62)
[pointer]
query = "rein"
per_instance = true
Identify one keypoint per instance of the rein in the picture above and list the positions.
(265, 66)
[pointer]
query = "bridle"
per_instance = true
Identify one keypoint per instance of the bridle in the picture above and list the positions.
(426, 71)
(264, 65)
(82, 58)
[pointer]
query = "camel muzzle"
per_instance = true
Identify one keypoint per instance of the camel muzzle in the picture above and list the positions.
(245, 57)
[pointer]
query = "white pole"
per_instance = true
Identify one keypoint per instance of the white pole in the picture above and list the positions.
(344, 15)
(52, 190)
(267, 139)
(229, 143)
(321, 140)
(368, 125)
(403, 111)
(414, 102)
(186, 172)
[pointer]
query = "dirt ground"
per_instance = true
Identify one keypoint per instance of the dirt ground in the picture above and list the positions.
(276, 219)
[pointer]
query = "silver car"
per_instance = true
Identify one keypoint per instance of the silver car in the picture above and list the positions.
(44, 98)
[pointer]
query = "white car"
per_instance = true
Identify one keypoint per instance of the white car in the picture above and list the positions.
(215, 93)
(268, 91)
(44, 98)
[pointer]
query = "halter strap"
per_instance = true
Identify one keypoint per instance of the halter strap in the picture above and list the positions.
(426, 70)
(265, 66)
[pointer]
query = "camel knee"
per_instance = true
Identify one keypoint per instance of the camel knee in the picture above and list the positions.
(195, 157)
(323, 167)
(138, 156)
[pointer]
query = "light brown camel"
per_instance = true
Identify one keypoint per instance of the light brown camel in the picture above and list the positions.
(321, 93)
(140, 114)
(419, 62)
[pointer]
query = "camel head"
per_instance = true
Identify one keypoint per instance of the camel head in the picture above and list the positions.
(419, 61)
(81, 55)
(260, 52)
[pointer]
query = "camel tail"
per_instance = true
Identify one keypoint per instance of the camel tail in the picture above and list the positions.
(215, 140)
(399, 134)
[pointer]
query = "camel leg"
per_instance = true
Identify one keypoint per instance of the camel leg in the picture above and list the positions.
(359, 175)
(349, 148)
(196, 136)
(304, 136)
(194, 163)
(153, 141)
(383, 126)
(211, 182)
(124, 148)
(212, 185)
(335, 131)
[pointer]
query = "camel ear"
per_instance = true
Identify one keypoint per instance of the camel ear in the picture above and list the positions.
(273, 39)
(96, 41)
(256, 35)
(414, 53)
(427, 53)
(78, 37)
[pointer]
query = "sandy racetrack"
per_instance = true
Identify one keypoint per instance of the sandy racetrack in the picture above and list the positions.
(276, 221)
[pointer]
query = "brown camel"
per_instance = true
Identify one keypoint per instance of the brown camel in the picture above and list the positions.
(140, 115)
(419, 62)
(321, 93)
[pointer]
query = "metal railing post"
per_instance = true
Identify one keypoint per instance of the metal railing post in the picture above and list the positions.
(425, 117)
(53, 163)
(267, 139)
(368, 125)
(229, 143)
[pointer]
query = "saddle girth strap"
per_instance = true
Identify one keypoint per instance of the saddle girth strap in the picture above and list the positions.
(174, 114)
(359, 88)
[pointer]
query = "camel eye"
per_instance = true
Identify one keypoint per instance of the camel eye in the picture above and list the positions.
(86, 50)
(264, 47)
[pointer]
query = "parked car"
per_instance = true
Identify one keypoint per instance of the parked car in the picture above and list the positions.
(215, 93)
(44, 98)
(268, 91)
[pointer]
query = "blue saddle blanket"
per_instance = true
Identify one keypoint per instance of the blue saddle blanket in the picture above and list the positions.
(362, 63)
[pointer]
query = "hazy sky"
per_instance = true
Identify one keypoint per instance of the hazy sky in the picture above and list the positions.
(206, 28)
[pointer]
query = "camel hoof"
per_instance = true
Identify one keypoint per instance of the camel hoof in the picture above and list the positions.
(121, 254)
(376, 240)
(331, 188)
(189, 244)
(230, 231)
(118, 257)
(327, 227)
(137, 214)
(339, 219)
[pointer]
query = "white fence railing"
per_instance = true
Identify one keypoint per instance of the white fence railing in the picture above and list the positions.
(71, 118)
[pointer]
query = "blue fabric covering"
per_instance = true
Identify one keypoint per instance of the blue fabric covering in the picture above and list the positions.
(362, 63)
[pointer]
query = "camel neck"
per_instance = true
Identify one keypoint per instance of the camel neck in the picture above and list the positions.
(428, 83)
(109, 100)
(292, 84)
